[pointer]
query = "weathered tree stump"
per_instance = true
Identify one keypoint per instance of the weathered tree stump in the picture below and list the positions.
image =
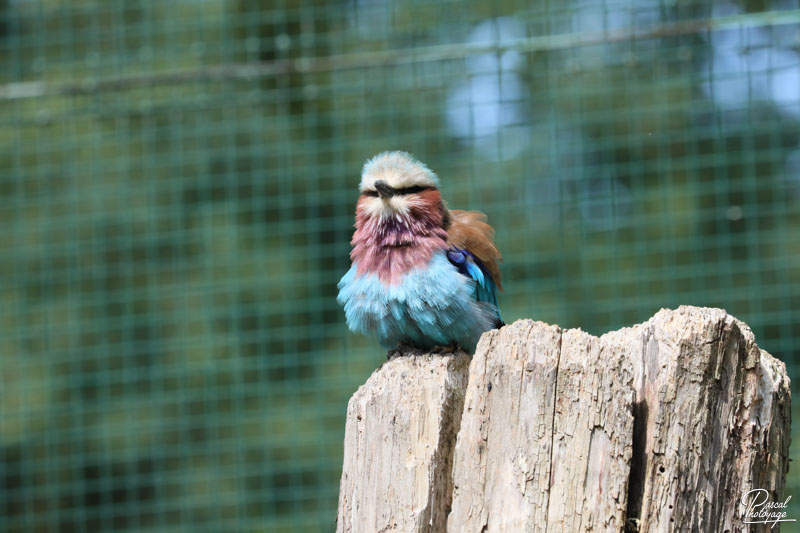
(398, 446)
(664, 426)
(546, 434)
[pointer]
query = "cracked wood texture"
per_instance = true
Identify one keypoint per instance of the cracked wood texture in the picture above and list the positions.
(546, 436)
(713, 415)
(398, 449)
(663, 426)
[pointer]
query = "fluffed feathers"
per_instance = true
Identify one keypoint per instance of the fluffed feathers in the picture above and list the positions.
(421, 275)
(433, 306)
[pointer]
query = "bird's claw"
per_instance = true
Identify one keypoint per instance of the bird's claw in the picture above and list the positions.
(402, 349)
(407, 349)
(453, 347)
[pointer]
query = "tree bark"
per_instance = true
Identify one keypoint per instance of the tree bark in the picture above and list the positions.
(664, 426)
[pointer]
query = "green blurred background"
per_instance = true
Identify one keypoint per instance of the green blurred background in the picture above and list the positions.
(177, 183)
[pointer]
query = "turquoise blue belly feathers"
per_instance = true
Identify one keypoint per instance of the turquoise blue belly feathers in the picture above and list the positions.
(421, 275)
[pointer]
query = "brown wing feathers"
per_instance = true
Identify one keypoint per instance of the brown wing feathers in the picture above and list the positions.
(468, 230)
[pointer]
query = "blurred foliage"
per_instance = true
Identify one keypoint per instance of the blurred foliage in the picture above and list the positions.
(172, 353)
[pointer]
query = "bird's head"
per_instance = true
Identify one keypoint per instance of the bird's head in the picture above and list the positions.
(394, 183)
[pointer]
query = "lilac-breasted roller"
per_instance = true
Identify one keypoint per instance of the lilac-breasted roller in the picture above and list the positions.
(421, 274)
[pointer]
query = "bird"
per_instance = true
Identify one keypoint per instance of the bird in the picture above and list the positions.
(421, 275)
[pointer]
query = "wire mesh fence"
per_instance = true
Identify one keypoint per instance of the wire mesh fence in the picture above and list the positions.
(178, 182)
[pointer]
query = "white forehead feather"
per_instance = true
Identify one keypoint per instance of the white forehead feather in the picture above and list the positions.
(399, 170)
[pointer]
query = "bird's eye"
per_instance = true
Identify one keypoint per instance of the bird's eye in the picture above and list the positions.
(412, 190)
(370, 193)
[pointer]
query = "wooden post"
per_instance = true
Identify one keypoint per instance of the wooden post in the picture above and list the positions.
(398, 446)
(713, 421)
(664, 426)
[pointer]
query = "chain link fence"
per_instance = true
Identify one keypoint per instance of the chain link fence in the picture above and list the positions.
(177, 188)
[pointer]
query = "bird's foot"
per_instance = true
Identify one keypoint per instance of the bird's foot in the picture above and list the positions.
(402, 349)
(453, 347)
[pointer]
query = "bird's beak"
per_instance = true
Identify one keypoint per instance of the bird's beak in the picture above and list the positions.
(384, 189)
